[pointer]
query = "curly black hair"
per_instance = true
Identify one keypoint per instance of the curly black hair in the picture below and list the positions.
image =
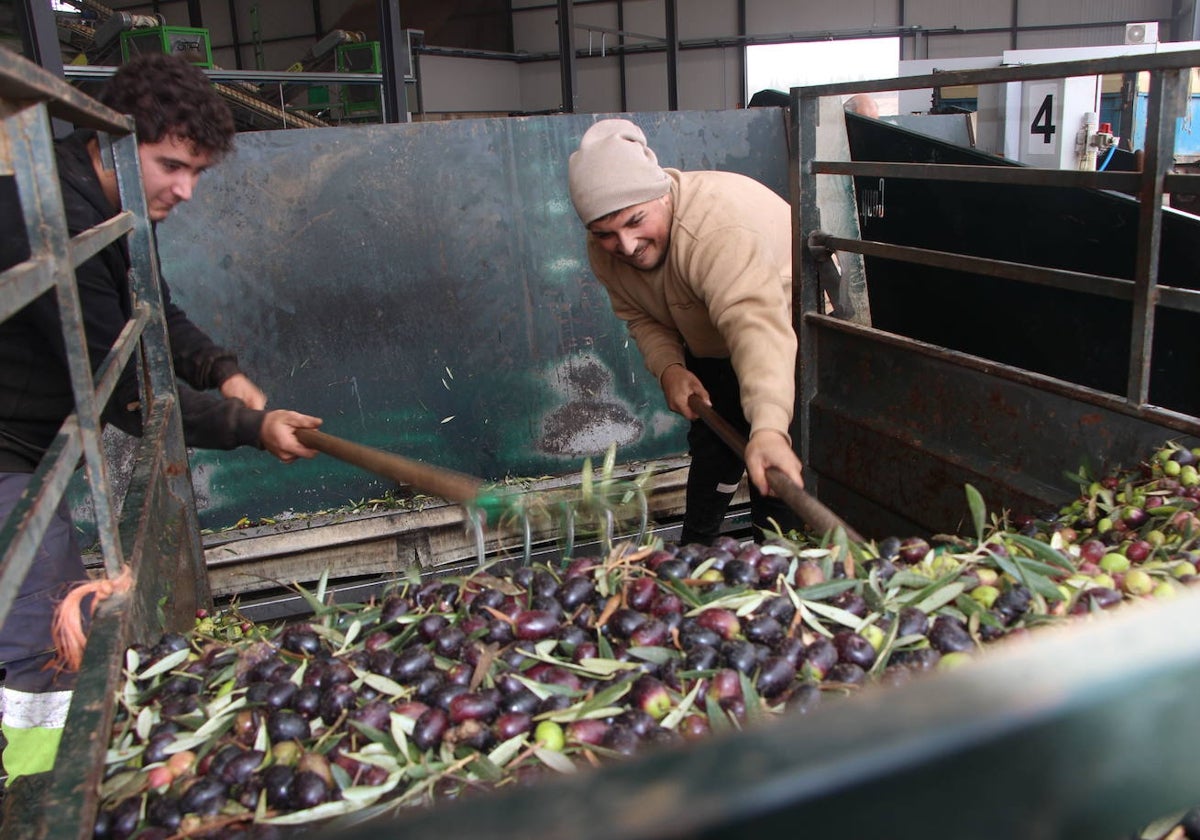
(167, 96)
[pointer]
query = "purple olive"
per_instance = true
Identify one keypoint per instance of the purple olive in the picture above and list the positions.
(239, 768)
(471, 706)
(307, 701)
(285, 725)
(913, 622)
(411, 663)
(164, 811)
(336, 700)
(624, 621)
(652, 633)
(819, 657)
(375, 714)
(575, 592)
(531, 625)
(280, 695)
(949, 635)
(740, 573)
(702, 658)
(204, 797)
(512, 724)
(431, 625)
(449, 641)
(853, 648)
(301, 639)
(308, 790)
(847, 673)
(775, 676)
(430, 727)
(763, 629)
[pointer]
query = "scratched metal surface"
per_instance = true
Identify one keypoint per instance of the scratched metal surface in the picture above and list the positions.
(424, 288)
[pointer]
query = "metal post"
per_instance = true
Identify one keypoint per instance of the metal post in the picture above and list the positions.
(1166, 87)
(233, 31)
(391, 36)
(39, 42)
(621, 54)
(672, 56)
(806, 284)
(566, 54)
(743, 82)
(194, 17)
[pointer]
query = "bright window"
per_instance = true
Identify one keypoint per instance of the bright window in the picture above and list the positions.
(783, 66)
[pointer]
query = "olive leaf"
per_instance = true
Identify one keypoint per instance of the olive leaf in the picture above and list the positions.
(319, 812)
(941, 597)
(823, 591)
(596, 666)
(677, 714)
(978, 510)
(145, 719)
(1046, 553)
(654, 654)
(834, 614)
(380, 683)
(167, 663)
(554, 760)
(505, 751)
(377, 736)
(351, 634)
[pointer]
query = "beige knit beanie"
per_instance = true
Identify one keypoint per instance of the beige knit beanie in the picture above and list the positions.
(613, 169)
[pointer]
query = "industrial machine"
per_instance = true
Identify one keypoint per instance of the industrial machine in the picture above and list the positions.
(190, 43)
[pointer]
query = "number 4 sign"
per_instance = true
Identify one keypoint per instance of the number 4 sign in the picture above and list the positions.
(1042, 109)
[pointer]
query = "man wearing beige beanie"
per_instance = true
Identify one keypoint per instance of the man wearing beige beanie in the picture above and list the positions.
(699, 267)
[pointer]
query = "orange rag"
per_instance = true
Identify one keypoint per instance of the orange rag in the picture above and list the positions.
(67, 628)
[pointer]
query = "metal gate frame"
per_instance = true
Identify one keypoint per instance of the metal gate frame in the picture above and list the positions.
(154, 531)
(933, 396)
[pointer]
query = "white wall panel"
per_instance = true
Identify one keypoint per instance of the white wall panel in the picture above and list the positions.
(646, 83)
(700, 19)
(706, 82)
(469, 85)
(1088, 11)
(765, 17)
(535, 31)
(599, 89)
(965, 14)
(1047, 39)
(541, 86)
(964, 46)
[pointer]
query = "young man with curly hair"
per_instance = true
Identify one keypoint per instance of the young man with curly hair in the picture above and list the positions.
(183, 128)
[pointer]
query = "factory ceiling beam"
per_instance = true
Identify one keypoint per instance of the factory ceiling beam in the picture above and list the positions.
(566, 54)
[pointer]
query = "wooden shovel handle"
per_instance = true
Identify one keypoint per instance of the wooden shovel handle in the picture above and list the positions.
(437, 481)
(816, 515)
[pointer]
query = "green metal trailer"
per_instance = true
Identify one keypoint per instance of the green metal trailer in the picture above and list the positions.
(1084, 733)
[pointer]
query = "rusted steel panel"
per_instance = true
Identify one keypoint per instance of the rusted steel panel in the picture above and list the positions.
(904, 425)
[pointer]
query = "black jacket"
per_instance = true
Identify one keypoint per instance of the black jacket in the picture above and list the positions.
(35, 385)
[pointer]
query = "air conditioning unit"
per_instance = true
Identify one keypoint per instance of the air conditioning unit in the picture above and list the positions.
(1141, 33)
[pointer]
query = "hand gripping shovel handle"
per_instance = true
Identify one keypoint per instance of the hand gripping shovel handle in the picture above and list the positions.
(816, 515)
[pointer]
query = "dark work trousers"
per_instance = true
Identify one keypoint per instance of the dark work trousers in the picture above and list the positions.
(716, 470)
(26, 645)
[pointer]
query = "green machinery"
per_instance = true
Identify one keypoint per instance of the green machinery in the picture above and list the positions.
(360, 100)
(193, 44)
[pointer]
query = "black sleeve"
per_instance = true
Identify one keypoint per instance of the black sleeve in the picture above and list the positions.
(198, 360)
(209, 421)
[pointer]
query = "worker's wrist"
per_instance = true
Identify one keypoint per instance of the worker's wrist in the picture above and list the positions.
(662, 376)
